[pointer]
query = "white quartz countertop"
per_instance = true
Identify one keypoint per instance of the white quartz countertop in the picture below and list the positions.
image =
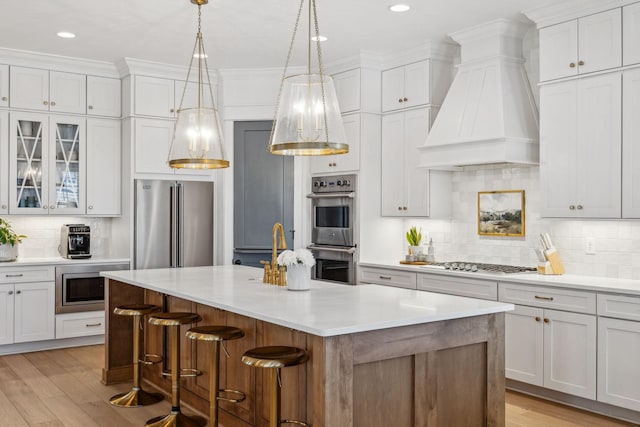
(588, 283)
(25, 262)
(327, 309)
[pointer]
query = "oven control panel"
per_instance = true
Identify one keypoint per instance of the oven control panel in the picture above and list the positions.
(333, 184)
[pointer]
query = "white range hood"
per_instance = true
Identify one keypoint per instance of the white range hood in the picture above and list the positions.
(489, 115)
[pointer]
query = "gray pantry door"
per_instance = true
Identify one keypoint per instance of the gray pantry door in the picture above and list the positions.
(263, 193)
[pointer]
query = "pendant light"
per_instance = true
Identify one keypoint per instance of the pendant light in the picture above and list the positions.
(197, 139)
(307, 120)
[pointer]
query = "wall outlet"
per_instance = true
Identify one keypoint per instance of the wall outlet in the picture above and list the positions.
(590, 247)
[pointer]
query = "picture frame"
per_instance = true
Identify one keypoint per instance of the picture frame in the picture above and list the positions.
(501, 213)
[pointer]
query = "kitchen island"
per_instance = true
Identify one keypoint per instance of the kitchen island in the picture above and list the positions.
(379, 356)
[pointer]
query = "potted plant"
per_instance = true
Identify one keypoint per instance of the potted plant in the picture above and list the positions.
(8, 241)
(298, 263)
(414, 237)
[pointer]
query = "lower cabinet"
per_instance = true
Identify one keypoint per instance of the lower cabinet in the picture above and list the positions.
(71, 325)
(461, 286)
(387, 277)
(27, 312)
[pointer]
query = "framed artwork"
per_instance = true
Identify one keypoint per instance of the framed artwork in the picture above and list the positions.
(501, 213)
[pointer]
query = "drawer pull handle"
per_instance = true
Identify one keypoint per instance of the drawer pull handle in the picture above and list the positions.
(14, 275)
(93, 325)
(385, 277)
(544, 298)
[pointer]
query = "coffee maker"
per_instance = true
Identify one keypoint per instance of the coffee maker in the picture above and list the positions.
(75, 241)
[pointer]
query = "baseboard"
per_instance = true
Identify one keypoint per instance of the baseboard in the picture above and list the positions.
(28, 347)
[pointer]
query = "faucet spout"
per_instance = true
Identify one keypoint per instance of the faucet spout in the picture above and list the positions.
(272, 273)
(283, 243)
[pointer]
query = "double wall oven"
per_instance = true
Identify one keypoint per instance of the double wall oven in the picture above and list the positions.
(333, 205)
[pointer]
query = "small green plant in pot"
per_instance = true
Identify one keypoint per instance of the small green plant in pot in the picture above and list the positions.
(414, 237)
(8, 241)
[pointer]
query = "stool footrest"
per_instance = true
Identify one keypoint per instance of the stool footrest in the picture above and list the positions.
(240, 398)
(150, 359)
(296, 422)
(184, 373)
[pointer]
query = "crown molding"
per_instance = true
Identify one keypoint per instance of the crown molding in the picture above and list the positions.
(561, 12)
(438, 50)
(251, 73)
(132, 66)
(364, 59)
(31, 59)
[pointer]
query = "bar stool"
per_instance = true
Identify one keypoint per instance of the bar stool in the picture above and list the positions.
(173, 321)
(218, 335)
(274, 358)
(137, 396)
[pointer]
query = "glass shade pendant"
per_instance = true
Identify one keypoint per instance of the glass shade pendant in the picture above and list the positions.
(307, 120)
(197, 139)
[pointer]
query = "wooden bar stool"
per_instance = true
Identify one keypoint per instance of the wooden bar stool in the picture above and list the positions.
(217, 334)
(137, 396)
(275, 358)
(173, 321)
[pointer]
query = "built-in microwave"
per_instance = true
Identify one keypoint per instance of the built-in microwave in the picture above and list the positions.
(81, 288)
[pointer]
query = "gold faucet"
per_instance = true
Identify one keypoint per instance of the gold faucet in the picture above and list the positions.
(274, 274)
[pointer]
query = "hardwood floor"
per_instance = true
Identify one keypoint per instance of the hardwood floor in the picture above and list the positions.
(61, 388)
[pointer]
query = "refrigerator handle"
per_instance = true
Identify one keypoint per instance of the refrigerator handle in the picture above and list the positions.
(173, 231)
(179, 220)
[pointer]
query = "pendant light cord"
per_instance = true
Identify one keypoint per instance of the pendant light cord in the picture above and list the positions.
(321, 69)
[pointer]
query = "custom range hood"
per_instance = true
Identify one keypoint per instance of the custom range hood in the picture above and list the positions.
(489, 115)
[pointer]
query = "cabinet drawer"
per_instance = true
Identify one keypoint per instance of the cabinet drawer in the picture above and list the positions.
(474, 288)
(619, 306)
(27, 274)
(540, 296)
(399, 279)
(80, 324)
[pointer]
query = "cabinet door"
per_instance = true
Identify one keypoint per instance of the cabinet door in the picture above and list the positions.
(350, 161)
(4, 162)
(103, 96)
(34, 311)
(392, 172)
(559, 51)
(29, 88)
(67, 92)
(348, 90)
(28, 157)
(600, 41)
(631, 34)
(323, 164)
(631, 144)
(570, 353)
(152, 141)
(524, 345)
(154, 97)
(393, 89)
(599, 147)
(4, 85)
(416, 84)
(67, 157)
(6, 314)
(618, 367)
(416, 182)
(103, 167)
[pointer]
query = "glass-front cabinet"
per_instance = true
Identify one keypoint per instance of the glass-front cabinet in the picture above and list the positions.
(47, 164)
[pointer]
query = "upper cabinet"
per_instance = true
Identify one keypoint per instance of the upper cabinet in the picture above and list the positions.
(103, 96)
(631, 144)
(103, 167)
(35, 89)
(342, 162)
(347, 86)
(4, 85)
(631, 34)
(4, 162)
(585, 45)
(154, 96)
(406, 86)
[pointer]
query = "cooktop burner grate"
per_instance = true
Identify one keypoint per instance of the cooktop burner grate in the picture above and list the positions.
(489, 268)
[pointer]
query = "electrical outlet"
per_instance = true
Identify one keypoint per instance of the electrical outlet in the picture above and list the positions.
(590, 248)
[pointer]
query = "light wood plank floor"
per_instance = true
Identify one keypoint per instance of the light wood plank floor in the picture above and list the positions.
(61, 388)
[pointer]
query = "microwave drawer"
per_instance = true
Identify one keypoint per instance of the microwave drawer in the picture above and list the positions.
(72, 325)
(546, 297)
(27, 274)
(378, 276)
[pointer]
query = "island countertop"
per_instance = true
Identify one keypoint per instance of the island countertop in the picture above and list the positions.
(325, 310)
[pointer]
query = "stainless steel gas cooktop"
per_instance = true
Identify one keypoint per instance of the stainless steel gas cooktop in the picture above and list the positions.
(480, 267)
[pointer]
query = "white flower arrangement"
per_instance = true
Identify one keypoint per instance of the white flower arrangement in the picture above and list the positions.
(300, 256)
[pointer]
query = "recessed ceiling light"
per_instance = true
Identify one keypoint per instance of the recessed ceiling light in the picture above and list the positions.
(200, 55)
(399, 8)
(66, 35)
(319, 38)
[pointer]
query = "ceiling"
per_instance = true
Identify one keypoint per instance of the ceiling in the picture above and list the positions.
(237, 33)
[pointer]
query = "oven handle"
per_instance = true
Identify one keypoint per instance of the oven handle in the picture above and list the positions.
(330, 195)
(332, 249)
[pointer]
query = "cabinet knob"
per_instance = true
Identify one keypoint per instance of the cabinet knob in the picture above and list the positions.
(537, 318)
(10, 292)
(18, 292)
(45, 102)
(4, 98)
(579, 207)
(90, 207)
(404, 208)
(45, 207)
(580, 62)
(52, 207)
(571, 207)
(172, 110)
(90, 107)
(405, 99)
(572, 65)
(546, 320)
(399, 208)
(400, 100)
(4, 206)
(53, 104)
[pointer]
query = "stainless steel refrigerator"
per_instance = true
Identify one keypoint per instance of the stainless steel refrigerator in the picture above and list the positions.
(173, 224)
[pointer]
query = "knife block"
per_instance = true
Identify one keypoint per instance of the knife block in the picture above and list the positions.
(553, 265)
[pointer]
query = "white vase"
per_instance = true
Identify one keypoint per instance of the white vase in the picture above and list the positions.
(298, 277)
(8, 252)
(415, 250)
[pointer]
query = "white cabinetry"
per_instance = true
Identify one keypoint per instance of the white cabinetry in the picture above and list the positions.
(342, 162)
(387, 277)
(347, 86)
(631, 144)
(631, 34)
(408, 190)
(585, 45)
(580, 147)
(152, 141)
(4, 162)
(568, 350)
(103, 167)
(406, 86)
(71, 325)
(37, 89)
(103, 96)
(455, 285)
(154, 96)
(618, 350)
(4, 85)
(27, 307)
